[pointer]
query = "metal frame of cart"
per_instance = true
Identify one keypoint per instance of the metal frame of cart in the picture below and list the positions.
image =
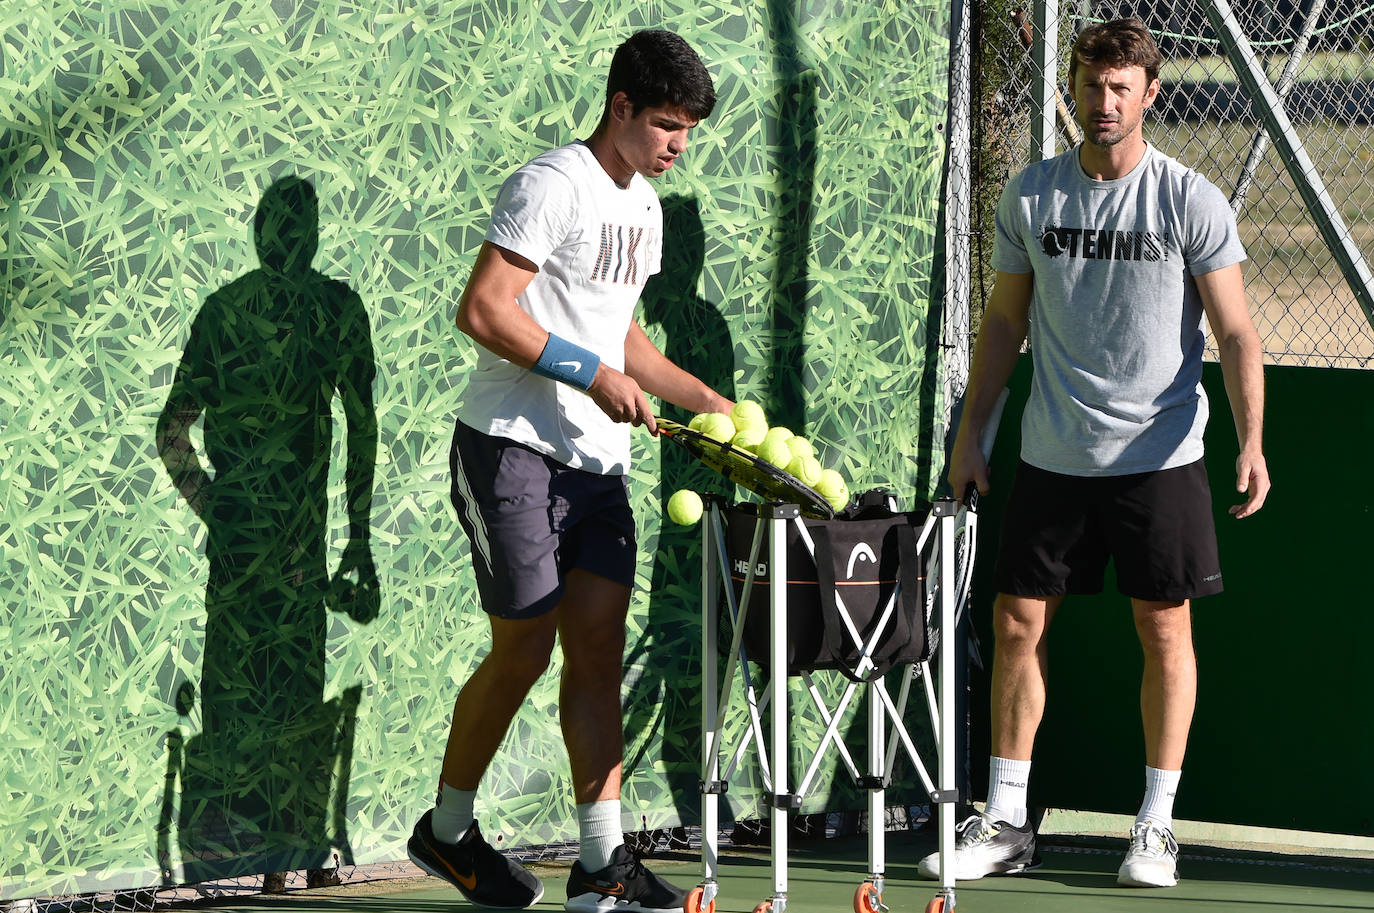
(947, 542)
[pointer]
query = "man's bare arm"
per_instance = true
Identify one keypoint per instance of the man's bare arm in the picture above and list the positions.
(1242, 368)
(1005, 320)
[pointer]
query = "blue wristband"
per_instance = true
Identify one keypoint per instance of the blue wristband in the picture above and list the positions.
(567, 362)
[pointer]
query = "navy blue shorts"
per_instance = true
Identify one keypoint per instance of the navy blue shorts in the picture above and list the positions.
(530, 519)
(1156, 527)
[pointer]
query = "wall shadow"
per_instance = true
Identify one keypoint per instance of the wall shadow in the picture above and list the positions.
(264, 781)
(794, 142)
(666, 697)
(77, 106)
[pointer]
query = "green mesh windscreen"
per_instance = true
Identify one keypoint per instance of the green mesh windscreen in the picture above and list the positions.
(234, 236)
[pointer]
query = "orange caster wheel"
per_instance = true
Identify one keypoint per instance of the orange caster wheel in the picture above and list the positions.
(936, 905)
(765, 907)
(867, 899)
(694, 904)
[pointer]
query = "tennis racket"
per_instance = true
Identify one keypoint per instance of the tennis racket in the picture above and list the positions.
(746, 470)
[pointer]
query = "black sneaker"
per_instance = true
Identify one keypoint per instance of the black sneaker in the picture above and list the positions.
(986, 847)
(480, 873)
(624, 885)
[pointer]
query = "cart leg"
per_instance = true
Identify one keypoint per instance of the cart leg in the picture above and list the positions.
(782, 800)
(947, 793)
(705, 895)
(868, 898)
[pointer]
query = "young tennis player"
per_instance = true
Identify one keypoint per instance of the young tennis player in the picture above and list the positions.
(1108, 255)
(539, 459)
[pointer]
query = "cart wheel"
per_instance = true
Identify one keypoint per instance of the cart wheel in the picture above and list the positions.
(694, 905)
(936, 905)
(765, 907)
(867, 899)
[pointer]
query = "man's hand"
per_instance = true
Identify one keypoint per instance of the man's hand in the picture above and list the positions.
(1252, 480)
(967, 464)
(620, 397)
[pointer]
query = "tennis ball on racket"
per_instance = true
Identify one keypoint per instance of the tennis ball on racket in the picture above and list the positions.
(685, 507)
(695, 423)
(832, 487)
(717, 426)
(748, 414)
(807, 469)
(748, 438)
(800, 447)
(778, 433)
(774, 451)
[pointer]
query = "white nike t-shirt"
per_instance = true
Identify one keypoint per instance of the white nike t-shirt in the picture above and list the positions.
(595, 244)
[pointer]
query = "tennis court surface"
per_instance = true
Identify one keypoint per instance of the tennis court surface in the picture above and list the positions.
(1079, 876)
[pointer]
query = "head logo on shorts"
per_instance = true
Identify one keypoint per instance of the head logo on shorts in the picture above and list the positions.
(860, 551)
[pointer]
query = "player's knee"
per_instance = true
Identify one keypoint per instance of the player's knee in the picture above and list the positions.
(1017, 631)
(604, 651)
(1164, 630)
(522, 659)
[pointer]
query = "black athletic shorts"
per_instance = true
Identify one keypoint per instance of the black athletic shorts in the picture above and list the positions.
(530, 519)
(1157, 528)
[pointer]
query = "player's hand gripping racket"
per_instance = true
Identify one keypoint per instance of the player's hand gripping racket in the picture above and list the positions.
(985, 444)
(746, 470)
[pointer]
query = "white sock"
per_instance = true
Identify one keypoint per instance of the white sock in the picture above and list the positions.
(452, 814)
(1007, 781)
(598, 827)
(1158, 804)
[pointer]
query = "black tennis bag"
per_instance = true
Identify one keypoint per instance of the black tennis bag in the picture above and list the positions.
(861, 555)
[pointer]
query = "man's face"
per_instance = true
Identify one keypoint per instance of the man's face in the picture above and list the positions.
(650, 140)
(1111, 101)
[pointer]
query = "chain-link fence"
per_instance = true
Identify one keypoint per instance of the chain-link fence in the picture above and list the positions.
(1318, 56)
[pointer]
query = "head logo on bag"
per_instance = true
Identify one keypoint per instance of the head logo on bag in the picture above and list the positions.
(876, 556)
(741, 567)
(861, 550)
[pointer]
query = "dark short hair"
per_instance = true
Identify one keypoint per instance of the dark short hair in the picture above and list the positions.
(1119, 43)
(656, 67)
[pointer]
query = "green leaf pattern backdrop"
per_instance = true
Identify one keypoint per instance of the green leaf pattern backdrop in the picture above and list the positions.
(137, 140)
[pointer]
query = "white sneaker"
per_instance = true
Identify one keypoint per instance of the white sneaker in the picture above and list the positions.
(1152, 859)
(986, 847)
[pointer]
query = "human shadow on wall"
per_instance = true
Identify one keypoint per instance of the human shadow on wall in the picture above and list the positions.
(664, 699)
(264, 783)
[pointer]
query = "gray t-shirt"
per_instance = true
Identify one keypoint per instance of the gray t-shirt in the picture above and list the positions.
(1115, 317)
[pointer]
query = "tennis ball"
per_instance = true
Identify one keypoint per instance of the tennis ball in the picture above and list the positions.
(717, 426)
(695, 423)
(748, 438)
(685, 507)
(800, 446)
(749, 414)
(832, 487)
(774, 451)
(807, 469)
(778, 433)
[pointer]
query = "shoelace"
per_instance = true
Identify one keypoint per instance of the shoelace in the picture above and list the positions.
(975, 829)
(636, 868)
(1163, 840)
